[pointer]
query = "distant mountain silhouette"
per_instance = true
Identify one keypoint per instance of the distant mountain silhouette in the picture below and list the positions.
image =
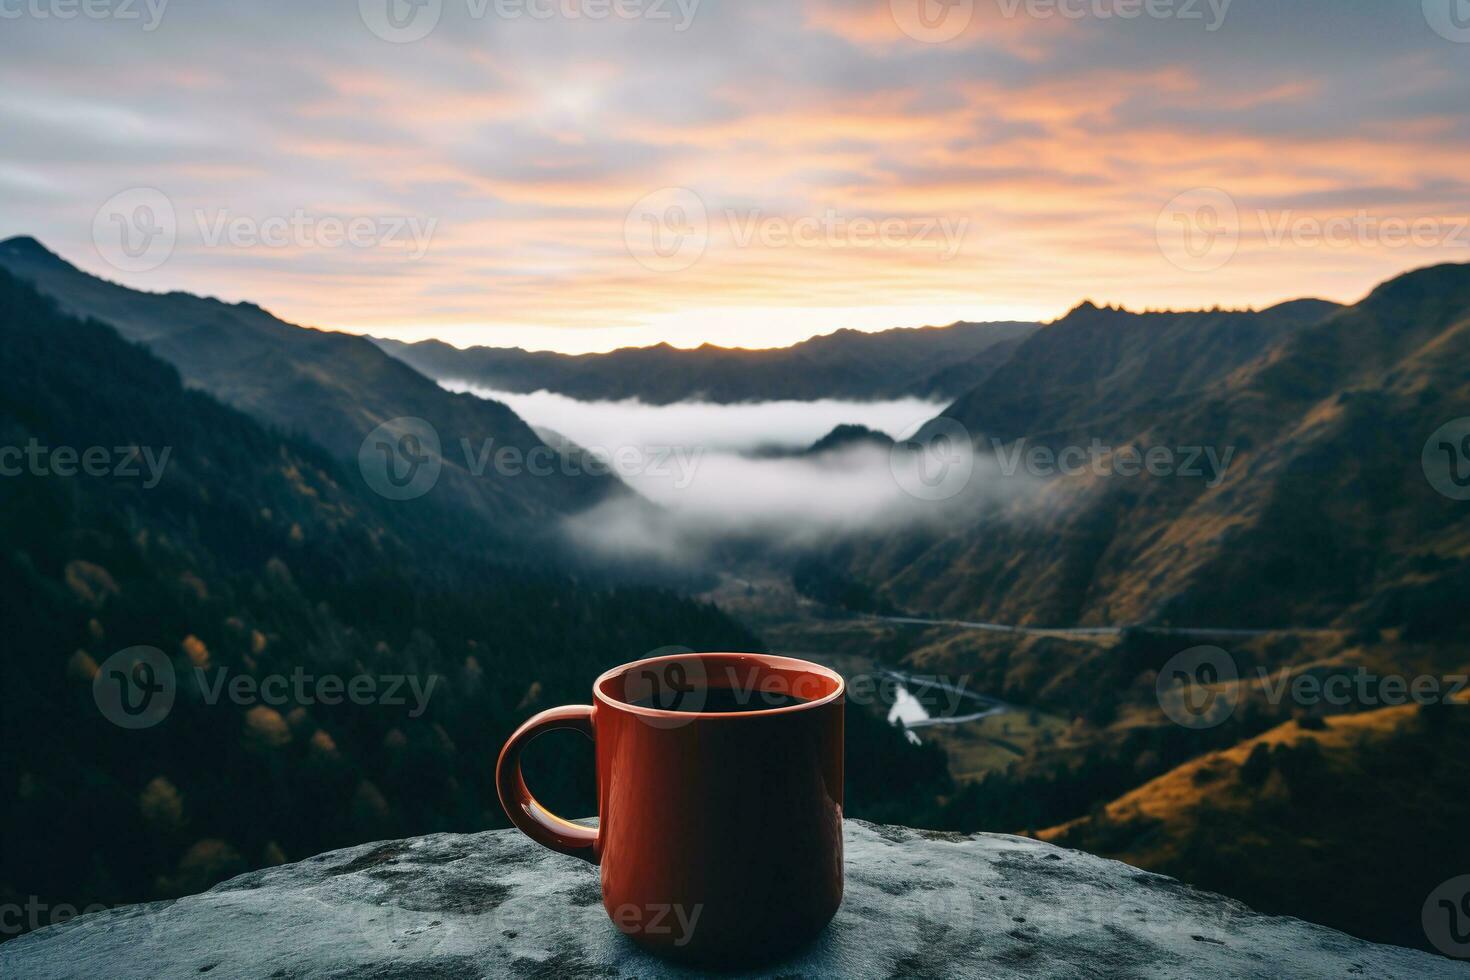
(849, 435)
(849, 364)
(334, 388)
(844, 436)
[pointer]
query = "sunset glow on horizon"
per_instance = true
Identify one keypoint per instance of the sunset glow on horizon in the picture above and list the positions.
(743, 174)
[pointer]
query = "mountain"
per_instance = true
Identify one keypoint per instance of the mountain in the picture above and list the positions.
(949, 382)
(847, 364)
(844, 436)
(1307, 503)
(334, 388)
(1317, 524)
(1100, 370)
(246, 555)
(1352, 819)
(137, 511)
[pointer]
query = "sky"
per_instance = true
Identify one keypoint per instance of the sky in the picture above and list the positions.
(586, 175)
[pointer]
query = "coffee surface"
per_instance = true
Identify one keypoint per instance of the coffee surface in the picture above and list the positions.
(718, 700)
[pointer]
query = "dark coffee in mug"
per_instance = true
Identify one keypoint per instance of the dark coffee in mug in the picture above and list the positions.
(719, 700)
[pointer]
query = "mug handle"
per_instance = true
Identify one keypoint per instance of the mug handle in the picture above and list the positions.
(533, 819)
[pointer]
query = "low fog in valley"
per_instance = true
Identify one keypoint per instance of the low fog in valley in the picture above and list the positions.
(719, 473)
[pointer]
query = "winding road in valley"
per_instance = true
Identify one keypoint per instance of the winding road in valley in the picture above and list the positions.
(1196, 632)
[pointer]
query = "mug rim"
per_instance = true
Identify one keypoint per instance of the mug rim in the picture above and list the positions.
(768, 658)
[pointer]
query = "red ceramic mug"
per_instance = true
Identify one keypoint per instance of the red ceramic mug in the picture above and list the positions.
(719, 798)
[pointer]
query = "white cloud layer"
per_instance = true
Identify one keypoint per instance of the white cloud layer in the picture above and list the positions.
(693, 463)
(721, 428)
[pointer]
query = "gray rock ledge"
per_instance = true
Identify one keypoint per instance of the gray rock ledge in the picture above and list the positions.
(494, 904)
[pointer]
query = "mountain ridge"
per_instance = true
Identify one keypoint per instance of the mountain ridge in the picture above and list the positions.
(1306, 407)
(847, 364)
(255, 555)
(335, 388)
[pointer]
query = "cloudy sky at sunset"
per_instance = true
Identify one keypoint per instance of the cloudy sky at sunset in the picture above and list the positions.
(542, 174)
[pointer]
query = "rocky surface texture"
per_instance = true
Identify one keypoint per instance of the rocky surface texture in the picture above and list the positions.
(917, 904)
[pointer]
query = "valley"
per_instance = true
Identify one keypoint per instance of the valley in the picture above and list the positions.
(1042, 600)
(1010, 640)
(389, 385)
